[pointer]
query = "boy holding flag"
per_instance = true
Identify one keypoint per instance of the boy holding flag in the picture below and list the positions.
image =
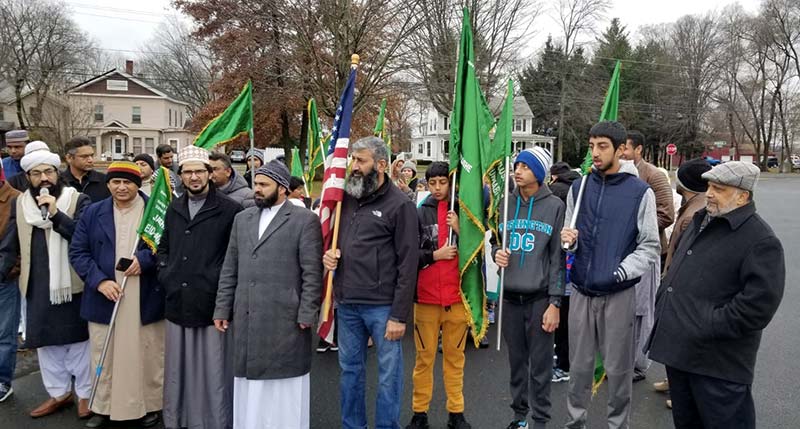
(438, 304)
(533, 285)
(614, 242)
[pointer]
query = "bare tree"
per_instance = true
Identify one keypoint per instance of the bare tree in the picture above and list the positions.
(500, 29)
(179, 63)
(576, 18)
(42, 46)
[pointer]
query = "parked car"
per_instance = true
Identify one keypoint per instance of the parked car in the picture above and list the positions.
(237, 155)
(795, 162)
(772, 162)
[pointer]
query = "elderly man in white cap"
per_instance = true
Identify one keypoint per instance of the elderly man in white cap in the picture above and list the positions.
(41, 225)
(723, 286)
(198, 372)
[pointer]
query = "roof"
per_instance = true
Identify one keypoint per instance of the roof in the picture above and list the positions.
(148, 84)
(521, 106)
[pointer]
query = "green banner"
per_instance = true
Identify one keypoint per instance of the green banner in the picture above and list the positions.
(152, 227)
(316, 151)
(494, 160)
(469, 133)
(236, 120)
(297, 165)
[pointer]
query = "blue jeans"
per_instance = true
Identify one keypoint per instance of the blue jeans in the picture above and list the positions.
(357, 323)
(9, 328)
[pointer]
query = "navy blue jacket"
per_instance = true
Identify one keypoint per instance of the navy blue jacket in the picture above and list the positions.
(92, 254)
(607, 225)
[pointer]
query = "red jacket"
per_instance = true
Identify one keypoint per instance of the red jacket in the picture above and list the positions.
(438, 281)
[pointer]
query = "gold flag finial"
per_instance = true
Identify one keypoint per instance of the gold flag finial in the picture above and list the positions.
(355, 59)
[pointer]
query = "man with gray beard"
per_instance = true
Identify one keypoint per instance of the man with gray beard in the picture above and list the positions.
(376, 276)
(723, 286)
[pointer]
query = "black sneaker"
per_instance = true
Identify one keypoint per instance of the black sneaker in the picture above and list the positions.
(516, 424)
(5, 391)
(457, 421)
(334, 347)
(419, 421)
(323, 347)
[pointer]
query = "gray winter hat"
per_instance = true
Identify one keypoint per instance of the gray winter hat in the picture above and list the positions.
(276, 171)
(742, 175)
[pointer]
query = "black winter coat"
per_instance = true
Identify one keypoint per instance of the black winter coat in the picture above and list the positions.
(560, 187)
(190, 257)
(723, 287)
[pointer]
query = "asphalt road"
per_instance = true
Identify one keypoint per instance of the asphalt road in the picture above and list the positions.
(486, 376)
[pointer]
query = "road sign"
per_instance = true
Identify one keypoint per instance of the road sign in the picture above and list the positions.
(672, 149)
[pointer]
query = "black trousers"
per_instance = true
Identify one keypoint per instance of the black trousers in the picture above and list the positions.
(703, 402)
(562, 336)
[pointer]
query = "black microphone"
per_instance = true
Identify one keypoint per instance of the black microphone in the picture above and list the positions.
(43, 193)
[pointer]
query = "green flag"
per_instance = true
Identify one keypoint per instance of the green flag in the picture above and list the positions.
(297, 165)
(316, 153)
(494, 157)
(380, 129)
(236, 120)
(609, 113)
(152, 226)
(471, 122)
(379, 122)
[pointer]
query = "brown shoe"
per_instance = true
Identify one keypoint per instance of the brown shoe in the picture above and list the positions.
(51, 405)
(83, 409)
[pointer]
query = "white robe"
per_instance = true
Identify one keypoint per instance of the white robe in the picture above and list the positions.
(272, 404)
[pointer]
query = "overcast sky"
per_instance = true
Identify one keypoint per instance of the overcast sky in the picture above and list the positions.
(124, 27)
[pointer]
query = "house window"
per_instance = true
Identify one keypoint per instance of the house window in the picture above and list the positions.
(98, 113)
(2, 115)
(174, 142)
(446, 123)
(93, 139)
(137, 145)
(519, 124)
(149, 145)
(170, 117)
(116, 85)
(420, 149)
(428, 147)
(180, 123)
(136, 116)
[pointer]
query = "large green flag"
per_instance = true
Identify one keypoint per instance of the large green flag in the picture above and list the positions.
(494, 156)
(236, 120)
(152, 226)
(469, 132)
(297, 165)
(316, 152)
(609, 113)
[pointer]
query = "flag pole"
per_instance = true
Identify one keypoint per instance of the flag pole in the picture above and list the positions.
(110, 330)
(503, 270)
(327, 300)
(252, 143)
(575, 210)
(452, 204)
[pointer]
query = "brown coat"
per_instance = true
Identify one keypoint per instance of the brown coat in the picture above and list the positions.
(7, 194)
(665, 210)
(685, 214)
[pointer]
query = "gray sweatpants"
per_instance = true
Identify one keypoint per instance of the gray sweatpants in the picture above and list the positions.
(530, 356)
(601, 325)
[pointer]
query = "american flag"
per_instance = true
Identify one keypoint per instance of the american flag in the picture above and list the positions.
(333, 184)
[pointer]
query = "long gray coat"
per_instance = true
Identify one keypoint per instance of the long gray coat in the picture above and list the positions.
(268, 287)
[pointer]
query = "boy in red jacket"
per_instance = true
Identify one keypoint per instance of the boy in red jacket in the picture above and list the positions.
(438, 305)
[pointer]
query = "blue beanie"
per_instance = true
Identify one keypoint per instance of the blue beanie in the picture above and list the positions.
(538, 159)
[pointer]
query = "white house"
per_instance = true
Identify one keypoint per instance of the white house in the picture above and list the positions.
(130, 114)
(431, 137)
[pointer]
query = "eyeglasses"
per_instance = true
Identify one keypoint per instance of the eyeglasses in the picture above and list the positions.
(190, 173)
(38, 173)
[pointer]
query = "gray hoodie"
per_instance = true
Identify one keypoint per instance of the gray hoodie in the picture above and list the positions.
(237, 190)
(537, 261)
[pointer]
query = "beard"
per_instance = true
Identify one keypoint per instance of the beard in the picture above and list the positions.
(54, 189)
(720, 210)
(267, 201)
(360, 185)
